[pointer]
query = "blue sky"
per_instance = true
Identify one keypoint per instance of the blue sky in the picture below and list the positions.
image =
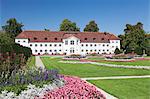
(110, 15)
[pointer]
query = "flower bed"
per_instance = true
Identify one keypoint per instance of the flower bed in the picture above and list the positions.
(74, 88)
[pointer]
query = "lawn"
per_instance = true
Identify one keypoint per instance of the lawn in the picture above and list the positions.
(136, 63)
(31, 61)
(126, 88)
(89, 70)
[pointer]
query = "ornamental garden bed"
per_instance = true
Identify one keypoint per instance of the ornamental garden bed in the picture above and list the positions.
(74, 88)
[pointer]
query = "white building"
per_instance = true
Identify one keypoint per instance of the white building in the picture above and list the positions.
(48, 42)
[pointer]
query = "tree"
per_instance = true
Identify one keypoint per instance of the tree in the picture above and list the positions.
(12, 27)
(91, 27)
(46, 29)
(117, 51)
(133, 38)
(67, 25)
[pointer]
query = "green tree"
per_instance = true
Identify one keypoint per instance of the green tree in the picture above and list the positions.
(91, 27)
(133, 38)
(46, 29)
(67, 25)
(13, 27)
(117, 51)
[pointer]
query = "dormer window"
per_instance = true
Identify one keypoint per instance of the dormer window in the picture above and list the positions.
(94, 38)
(85, 38)
(35, 38)
(45, 38)
(55, 38)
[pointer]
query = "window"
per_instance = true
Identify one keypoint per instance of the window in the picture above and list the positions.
(18, 41)
(112, 46)
(94, 38)
(35, 44)
(45, 51)
(55, 38)
(107, 44)
(66, 42)
(30, 44)
(116, 41)
(112, 41)
(24, 41)
(82, 50)
(95, 44)
(99, 50)
(77, 42)
(103, 44)
(95, 50)
(55, 50)
(59, 44)
(82, 45)
(55, 45)
(85, 38)
(86, 50)
(107, 50)
(45, 38)
(40, 44)
(50, 44)
(90, 50)
(50, 50)
(45, 44)
(102, 38)
(35, 38)
(91, 45)
(86, 44)
(71, 42)
(103, 50)
(35, 50)
(60, 50)
(40, 50)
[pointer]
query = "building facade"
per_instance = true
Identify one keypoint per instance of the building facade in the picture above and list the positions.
(49, 42)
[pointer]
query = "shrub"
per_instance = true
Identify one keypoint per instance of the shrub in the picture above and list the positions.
(139, 51)
(117, 51)
(19, 80)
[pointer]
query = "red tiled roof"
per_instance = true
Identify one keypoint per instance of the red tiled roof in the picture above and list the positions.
(52, 36)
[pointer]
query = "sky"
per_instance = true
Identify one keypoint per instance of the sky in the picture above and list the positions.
(110, 15)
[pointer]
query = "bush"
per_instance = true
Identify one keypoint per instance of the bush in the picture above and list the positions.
(147, 51)
(117, 51)
(19, 80)
(139, 51)
(75, 56)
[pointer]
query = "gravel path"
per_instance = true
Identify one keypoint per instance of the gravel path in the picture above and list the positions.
(115, 77)
(120, 66)
(107, 65)
(39, 63)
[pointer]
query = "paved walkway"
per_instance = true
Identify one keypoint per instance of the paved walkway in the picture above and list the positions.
(120, 66)
(107, 65)
(39, 63)
(115, 77)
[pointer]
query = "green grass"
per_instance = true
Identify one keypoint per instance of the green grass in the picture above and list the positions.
(126, 88)
(31, 62)
(89, 70)
(136, 63)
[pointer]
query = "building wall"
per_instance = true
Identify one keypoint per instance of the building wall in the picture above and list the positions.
(74, 46)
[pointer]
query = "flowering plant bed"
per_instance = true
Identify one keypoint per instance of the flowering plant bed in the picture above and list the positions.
(74, 88)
